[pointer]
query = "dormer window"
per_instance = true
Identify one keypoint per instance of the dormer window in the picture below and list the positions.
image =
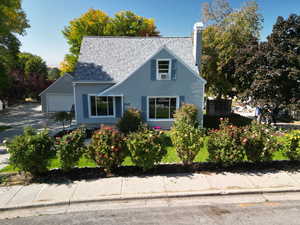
(163, 67)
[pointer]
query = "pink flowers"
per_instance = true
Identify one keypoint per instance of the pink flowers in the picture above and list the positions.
(245, 140)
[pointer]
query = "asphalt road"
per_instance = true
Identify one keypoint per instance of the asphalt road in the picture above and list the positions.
(274, 213)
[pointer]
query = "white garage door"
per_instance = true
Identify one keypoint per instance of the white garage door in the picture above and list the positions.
(59, 102)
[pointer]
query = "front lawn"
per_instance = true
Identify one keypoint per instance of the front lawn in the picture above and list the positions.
(171, 157)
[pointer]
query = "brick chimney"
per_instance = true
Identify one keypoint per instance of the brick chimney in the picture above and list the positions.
(197, 33)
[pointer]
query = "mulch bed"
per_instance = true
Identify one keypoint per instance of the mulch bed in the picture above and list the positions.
(88, 131)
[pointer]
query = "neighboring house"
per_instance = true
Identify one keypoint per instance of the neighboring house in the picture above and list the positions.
(59, 95)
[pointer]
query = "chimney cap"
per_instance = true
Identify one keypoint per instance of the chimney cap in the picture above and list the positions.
(198, 26)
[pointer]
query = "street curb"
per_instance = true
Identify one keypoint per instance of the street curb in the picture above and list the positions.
(157, 196)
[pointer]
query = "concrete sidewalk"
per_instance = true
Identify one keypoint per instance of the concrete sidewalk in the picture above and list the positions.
(148, 187)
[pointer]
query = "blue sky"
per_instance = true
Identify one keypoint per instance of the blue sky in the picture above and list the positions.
(173, 18)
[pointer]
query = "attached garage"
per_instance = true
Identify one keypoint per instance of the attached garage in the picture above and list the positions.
(59, 102)
(59, 95)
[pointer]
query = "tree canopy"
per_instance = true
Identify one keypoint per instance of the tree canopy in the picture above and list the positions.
(98, 23)
(12, 17)
(272, 68)
(226, 31)
(53, 74)
(12, 21)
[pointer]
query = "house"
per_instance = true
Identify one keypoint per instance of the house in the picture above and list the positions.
(153, 74)
(59, 95)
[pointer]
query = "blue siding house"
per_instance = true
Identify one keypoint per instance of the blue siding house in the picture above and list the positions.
(153, 74)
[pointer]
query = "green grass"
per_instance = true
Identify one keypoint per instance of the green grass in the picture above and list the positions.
(8, 169)
(171, 157)
(3, 128)
(279, 156)
(83, 162)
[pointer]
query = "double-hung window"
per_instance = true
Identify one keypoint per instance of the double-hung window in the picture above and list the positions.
(162, 108)
(101, 106)
(163, 67)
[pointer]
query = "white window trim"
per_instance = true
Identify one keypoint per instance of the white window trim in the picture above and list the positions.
(148, 108)
(108, 116)
(158, 77)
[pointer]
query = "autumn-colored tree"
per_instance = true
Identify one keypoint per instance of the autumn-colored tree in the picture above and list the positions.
(69, 63)
(126, 23)
(98, 23)
(12, 17)
(226, 31)
(29, 77)
(12, 21)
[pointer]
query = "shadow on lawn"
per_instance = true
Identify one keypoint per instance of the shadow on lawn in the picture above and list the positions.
(57, 176)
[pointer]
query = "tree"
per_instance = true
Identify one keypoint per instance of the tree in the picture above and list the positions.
(98, 23)
(12, 21)
(227, 30)
(69, 63)
(36, 65)
(277, 78)
(12, 17)
(29, 77)
(30, 65)
(215, 11)
(246, 62)
(53, 74)
(126, 23)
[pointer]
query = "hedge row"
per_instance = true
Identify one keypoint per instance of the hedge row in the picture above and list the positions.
(32, 151)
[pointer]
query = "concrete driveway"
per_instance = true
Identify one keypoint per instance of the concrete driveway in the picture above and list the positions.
(20, 116)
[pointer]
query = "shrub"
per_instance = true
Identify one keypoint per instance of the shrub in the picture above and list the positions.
(185, 134)
(188, 141)
(258, 142)
(187, 113)
(145, 147)
(107, 148)
(291, 145)
(32, 151)
(63, 117)
(130, 122)
(70, 148)
(224, 145)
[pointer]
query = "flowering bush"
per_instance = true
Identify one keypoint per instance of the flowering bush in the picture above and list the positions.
(224, 145)
(107, 148)
(291, 145)
(187, 113)
(188, 141)
(70, 148)
(185, 134)
(145, 147)
(32, 151)
(258, 142)
(130, 122)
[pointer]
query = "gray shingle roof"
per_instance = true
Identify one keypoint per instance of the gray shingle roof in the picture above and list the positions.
(115, 58)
